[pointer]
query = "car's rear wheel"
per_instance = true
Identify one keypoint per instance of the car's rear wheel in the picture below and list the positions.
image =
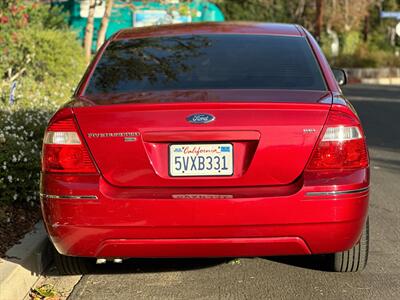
(354, 259)
(69, 265)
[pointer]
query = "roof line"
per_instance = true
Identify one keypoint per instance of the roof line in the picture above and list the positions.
(300, 29)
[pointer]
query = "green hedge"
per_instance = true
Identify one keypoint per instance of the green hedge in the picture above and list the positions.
(366, 56)
(50, 61)
(21, 133)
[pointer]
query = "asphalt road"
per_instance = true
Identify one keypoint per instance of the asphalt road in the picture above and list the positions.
(286, 277)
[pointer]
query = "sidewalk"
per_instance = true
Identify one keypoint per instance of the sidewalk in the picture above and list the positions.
(24, 263)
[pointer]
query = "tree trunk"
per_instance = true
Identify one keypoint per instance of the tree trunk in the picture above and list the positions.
(89, 31)
(366, 28)
(318, 19)
(104, 24)
(300, 10)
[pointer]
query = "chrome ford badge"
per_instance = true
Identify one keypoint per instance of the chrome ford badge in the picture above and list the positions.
(200, 118)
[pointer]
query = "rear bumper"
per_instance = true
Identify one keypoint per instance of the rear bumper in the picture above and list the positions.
(121, 223)
(260, 241)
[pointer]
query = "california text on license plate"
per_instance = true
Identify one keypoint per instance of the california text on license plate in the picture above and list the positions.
(201, 160)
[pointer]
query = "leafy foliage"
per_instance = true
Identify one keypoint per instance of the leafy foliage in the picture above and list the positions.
(45, 61)
(41, 54)
(256, 10)
(17, 14)
(34, 43)
(340, 15)
(21, 133)
(350, 42)
(363, 57)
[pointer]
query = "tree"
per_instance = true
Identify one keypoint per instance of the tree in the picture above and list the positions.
(318, 19)
(104, 23)
(87, 43)
(345, 15)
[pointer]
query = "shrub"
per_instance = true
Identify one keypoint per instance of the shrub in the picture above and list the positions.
(350, 42)
(364, 57)
(42, 55)
(46, 61)
(21, 132)
(254, 10)
(34, 42)
(17, 14)
(45, 53)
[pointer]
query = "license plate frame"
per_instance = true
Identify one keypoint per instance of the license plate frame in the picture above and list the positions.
(229, 173)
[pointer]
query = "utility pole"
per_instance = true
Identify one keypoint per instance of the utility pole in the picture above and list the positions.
(319, 19)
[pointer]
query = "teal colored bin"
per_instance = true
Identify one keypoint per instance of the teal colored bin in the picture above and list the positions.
(128, 14)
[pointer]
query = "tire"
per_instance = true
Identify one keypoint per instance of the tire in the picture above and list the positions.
(69, 265)
(354, 259)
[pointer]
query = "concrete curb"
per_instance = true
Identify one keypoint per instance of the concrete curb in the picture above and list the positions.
(395, 81)
(377, 76)
(381, 81)
(24, 263)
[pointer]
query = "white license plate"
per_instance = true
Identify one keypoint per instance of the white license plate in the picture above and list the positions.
(201, 160)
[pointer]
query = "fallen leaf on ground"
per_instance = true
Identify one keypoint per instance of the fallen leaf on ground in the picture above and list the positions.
(44, 292)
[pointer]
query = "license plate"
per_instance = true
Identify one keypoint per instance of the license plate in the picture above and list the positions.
(201, 160)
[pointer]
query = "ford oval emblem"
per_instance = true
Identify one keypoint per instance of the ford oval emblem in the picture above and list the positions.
(200, 118)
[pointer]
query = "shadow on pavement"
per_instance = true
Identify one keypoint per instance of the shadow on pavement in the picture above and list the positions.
(148, 265)
(158, 265)
(129, 266)
(311, 262)
(391, 164)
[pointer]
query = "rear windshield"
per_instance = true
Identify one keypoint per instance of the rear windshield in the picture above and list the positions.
(206, 62)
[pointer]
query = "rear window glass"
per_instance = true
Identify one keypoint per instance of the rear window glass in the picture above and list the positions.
(206, 62)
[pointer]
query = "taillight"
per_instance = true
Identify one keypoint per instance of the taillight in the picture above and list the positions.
(342, 145)
(63, 149)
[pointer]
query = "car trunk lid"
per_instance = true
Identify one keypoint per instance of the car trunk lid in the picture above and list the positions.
(272, 134)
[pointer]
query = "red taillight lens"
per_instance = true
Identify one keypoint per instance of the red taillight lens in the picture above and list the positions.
(342, 145)
(63, 150)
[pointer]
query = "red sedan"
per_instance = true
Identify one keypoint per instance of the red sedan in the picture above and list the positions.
(207, 140)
